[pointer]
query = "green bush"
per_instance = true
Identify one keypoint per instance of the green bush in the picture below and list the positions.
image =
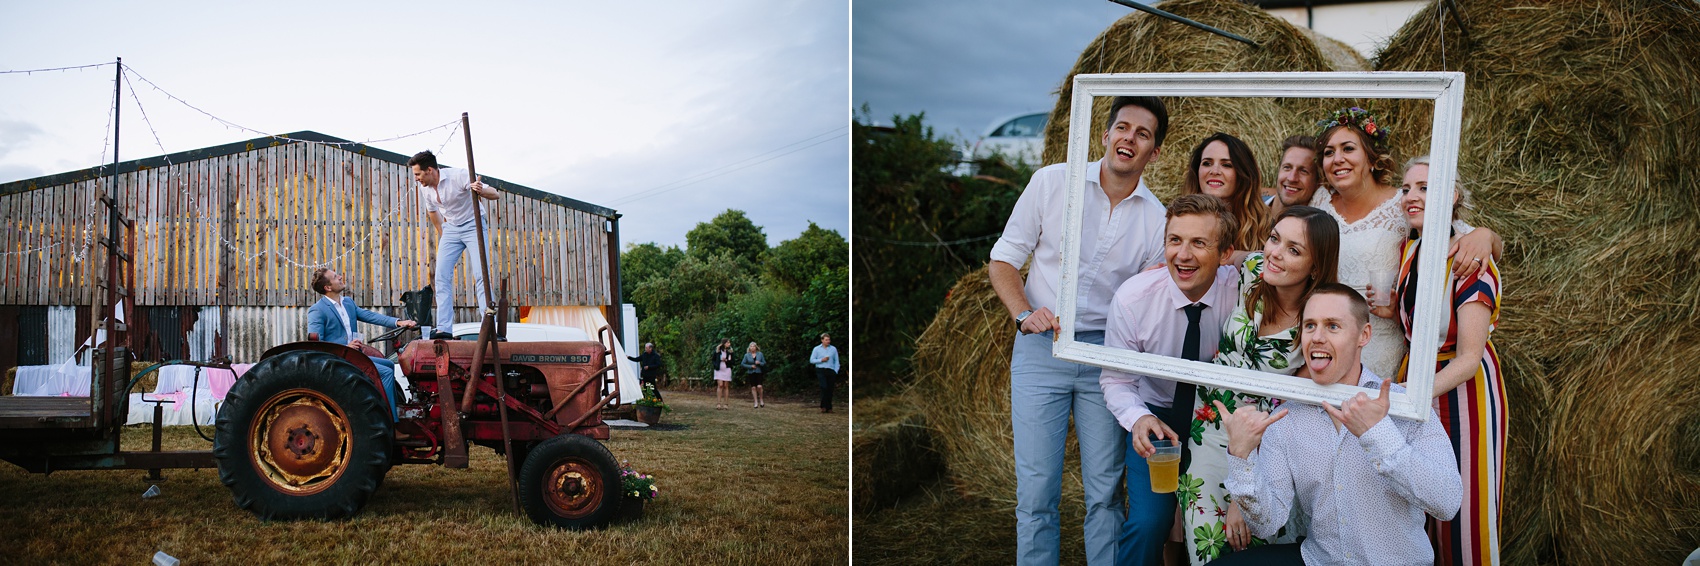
(919, 228)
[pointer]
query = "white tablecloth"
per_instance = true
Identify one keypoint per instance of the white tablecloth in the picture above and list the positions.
(65, 380)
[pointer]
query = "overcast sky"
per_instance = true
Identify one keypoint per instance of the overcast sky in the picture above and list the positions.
(702, 106)
(968, 63)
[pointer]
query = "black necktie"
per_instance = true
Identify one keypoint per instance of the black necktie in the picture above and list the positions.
(1180, 413)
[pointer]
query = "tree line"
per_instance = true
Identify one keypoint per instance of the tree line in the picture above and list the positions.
(922, 220)
(727, 283)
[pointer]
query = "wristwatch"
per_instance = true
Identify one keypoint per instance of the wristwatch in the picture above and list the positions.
(1020, 318)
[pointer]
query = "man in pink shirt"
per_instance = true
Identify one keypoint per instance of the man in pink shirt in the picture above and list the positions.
(1176, 312)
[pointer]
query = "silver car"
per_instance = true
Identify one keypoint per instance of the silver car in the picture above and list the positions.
(1017, 138)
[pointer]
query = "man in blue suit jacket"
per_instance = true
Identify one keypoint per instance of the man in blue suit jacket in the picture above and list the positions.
(333, 319)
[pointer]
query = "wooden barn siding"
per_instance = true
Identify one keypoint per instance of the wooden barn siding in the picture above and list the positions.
(308, 201)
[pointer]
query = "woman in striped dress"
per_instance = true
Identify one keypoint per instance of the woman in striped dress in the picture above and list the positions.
(1468, 390)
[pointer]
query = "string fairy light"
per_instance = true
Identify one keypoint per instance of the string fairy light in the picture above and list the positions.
(130, 70)
(74, 67)
(200, 207)
(80, 253)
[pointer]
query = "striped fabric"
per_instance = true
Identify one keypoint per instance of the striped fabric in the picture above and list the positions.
(1474, 417)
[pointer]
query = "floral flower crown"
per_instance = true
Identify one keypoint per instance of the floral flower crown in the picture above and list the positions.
(1360, 119)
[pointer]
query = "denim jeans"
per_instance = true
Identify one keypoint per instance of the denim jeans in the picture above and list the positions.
(1044, 392)
(456, 239)
(1149, 515)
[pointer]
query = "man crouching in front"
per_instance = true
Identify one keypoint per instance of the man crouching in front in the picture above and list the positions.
(1366, 479)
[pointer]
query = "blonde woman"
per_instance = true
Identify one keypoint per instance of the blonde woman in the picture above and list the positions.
(1468, 392)
(754, 364)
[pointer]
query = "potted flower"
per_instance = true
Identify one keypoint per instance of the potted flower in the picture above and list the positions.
(635, 489)
(650, 407)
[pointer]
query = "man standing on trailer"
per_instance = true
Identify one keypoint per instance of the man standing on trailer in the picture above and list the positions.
(450, 207)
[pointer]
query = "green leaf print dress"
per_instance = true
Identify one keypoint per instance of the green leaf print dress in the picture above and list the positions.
(1203, 498)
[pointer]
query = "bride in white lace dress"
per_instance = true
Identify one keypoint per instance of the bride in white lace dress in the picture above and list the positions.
(1356, 167)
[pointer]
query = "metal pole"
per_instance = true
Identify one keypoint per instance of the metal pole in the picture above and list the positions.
(487, 330)
(112, 205)
(1172, 17)
(1458, 16)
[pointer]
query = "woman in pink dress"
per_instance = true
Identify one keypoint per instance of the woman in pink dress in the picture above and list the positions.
(722, 365)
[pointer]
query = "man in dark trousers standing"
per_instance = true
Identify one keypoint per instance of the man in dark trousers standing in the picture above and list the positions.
(825, 359)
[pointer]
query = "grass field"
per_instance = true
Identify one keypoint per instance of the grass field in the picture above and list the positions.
(740, 486)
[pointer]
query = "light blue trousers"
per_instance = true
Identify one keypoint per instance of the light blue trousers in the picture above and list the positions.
(1044, 392)
(455, 240)
(386, 374)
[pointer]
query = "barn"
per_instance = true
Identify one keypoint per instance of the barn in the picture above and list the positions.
(225, 239)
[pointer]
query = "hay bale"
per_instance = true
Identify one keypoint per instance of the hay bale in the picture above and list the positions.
(1343, 57)
(894, 452)
(1142, 43)
(1575, 148)
(962, 386)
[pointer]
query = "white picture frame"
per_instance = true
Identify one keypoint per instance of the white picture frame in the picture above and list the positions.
(1445, 89)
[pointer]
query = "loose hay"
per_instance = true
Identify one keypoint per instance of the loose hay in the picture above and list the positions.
(1142, 43)
(1576, 147)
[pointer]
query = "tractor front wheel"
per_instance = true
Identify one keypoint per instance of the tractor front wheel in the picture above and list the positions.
(303, 435)
(570, 481)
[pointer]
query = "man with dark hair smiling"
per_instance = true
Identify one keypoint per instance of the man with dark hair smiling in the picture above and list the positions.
(451, 206)
(1366, 479)
(1121, 235)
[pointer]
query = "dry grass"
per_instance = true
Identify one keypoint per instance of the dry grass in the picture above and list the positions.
(740, 486)
(1577, 147)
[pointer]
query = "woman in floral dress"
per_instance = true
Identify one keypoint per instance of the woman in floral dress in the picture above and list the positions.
(1469, 395)
(1300, 252)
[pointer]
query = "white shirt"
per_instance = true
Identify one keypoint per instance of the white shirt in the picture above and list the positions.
(342, 312)
(1116, 242)
(450, 199)
(1366, 496)
(1148, 316)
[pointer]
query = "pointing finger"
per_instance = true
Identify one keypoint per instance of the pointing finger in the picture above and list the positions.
(1269, 420)
(1332, 412)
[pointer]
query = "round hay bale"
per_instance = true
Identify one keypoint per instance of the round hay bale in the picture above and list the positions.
(1343, 57)
(1574, 148)
(1143, 43)
(961, 384)
(894, 452)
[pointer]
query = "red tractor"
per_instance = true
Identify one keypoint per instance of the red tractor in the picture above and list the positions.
(307, 434)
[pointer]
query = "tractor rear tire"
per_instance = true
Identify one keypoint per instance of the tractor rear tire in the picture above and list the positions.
(570, 481)
(303, 435)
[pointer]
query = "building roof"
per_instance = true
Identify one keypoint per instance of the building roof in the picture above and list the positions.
(250, 145)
